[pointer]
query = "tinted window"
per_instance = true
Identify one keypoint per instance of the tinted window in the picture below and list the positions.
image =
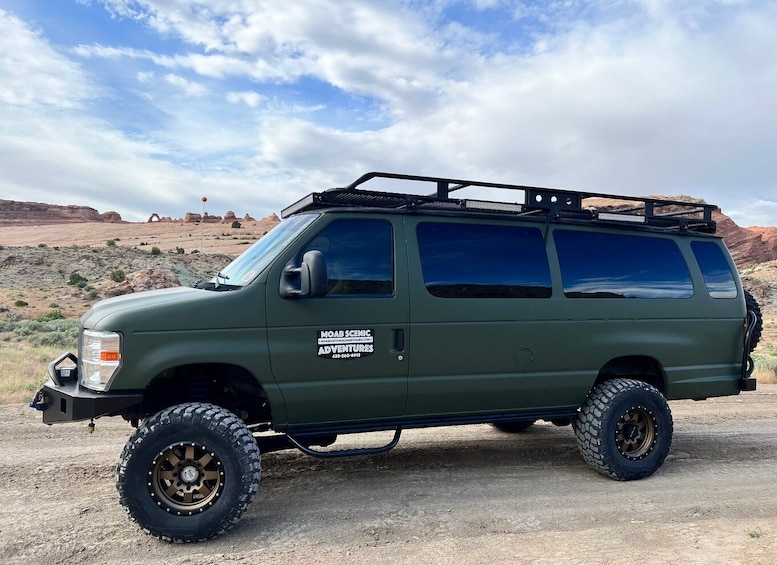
(715, 269)
(600, 265)
(483, 261)
(359, 257)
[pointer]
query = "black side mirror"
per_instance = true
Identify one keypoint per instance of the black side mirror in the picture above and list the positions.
(313, 278)
(314, 281)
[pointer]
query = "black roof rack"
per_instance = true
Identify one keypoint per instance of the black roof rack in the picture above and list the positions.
(553, 204)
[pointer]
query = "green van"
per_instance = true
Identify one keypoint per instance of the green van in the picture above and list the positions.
(368, 310)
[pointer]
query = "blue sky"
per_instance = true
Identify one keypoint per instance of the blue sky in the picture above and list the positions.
(144, 106)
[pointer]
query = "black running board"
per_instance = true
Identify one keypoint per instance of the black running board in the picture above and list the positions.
(306, 449)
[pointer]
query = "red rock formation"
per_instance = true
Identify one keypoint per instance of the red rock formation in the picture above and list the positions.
(19, 213)
(111, 217)
(748, 246)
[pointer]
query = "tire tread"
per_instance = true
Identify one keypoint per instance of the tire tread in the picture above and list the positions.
(206, 416)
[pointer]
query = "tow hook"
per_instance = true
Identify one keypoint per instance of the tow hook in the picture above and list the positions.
(39, 401)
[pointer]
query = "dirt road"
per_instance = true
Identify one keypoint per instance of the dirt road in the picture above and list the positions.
(465, 494)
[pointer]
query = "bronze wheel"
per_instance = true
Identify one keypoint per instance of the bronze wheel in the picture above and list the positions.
(635, 433)
(189, 472)
(624, 429)
(186, 478)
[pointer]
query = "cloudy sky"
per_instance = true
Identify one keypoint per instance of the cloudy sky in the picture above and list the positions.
(144, 106)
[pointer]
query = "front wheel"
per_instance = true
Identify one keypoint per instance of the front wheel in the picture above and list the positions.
(189, 472)
(624, 429)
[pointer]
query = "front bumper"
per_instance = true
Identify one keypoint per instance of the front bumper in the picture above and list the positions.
(62, 399)
(71, 403)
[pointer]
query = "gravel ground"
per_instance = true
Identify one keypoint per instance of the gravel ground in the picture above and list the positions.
(465, 494)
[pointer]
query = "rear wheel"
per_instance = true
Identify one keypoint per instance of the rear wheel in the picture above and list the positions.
(189, 472)
(624, 429)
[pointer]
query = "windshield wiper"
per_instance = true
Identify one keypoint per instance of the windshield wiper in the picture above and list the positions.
(218, 276)
(215, 283)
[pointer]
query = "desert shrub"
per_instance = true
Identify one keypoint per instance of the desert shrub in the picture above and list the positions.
(195, 251)
(156, 251)
(62, 332)
(77, 280)
(111, 243)
(235, 224)
(766, 368)
(20, 303)
(50, 315)
(27, 328)
(93, 295)
(180, 250)
(117, 275)
(41, 245)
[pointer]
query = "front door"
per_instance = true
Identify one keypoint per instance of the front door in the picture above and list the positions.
(340, 358)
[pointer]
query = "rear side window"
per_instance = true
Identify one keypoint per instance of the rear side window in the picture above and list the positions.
(359, 256)
(483, 261)
(715, 269)
(602, 265)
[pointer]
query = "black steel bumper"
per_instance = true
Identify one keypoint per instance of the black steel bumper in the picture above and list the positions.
(62, 399)
(70, 403)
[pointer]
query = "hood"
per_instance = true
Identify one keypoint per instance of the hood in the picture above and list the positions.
(179, 308)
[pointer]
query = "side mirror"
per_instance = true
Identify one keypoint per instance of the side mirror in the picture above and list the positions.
(313, 279)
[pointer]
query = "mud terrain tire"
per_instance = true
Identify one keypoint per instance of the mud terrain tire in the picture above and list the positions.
(752, 306)
(624, 429)
(189, 472)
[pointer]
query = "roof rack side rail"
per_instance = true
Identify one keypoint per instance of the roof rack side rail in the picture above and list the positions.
(555, 203)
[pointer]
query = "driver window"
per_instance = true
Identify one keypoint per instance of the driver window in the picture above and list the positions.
(359, 256)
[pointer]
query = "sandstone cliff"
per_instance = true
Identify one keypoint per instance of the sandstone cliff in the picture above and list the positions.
(13, 212)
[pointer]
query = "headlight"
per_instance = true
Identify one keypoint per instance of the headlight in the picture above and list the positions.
(100, 358)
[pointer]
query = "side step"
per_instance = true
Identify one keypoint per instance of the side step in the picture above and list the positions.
(305, 448)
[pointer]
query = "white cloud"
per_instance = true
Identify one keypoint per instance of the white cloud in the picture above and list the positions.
(189, 88)
(639, 106)
(145, 77)
(250, 98)
(32, 73)
(637, 97)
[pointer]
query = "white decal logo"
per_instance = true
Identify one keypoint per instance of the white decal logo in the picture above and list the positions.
(345, 344)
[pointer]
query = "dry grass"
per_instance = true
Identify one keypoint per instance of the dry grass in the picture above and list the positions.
(765, 369)
(23, 370)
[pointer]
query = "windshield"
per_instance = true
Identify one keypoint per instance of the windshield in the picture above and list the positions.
(253, 261)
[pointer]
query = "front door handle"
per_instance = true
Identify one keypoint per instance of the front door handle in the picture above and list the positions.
(399, 341)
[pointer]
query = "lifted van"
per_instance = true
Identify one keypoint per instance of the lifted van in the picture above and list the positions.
(369, 310)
